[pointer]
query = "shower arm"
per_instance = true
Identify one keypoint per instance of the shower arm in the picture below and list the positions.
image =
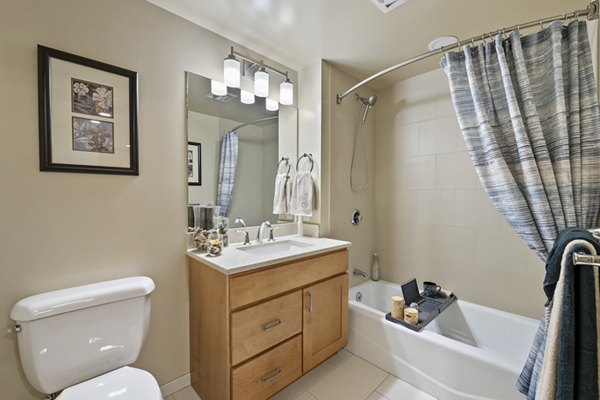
(591, 12)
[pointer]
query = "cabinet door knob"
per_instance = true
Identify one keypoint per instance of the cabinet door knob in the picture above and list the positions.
(309, 298)
(270, 325)
(271, 376)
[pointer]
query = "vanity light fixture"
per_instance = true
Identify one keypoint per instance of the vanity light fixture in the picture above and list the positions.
(246, 97)
(217, 88)
(286, 92)
(261, 82)
(231, 76)
(231, 71)
(271, 105)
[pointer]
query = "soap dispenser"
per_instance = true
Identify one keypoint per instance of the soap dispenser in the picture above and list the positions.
(375, 267)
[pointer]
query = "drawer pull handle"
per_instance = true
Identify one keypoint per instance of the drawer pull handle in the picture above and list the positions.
(271, 376)
(270, 325)
(309, 306)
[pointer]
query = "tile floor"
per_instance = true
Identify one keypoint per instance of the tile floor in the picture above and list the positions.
(342, 377)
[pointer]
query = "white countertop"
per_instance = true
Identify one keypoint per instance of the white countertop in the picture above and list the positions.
(233, 260)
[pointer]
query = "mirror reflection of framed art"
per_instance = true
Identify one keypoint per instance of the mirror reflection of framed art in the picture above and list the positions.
(194, 168)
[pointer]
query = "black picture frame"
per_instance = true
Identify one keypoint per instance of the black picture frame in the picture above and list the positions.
(100, 142)
(194, 163)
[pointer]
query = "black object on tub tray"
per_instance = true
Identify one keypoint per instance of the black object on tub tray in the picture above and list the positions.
(435, 304)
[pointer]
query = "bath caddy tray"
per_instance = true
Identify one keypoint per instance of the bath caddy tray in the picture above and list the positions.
(425, 317)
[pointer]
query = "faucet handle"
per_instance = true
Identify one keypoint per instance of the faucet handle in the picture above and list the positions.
(271, 238)
(246, 235)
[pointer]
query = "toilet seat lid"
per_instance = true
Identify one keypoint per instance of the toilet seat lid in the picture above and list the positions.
(125, 383)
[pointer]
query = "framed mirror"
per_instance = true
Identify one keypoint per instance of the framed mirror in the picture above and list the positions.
(259, 138)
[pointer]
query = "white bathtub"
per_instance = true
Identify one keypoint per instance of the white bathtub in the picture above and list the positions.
(468, 352)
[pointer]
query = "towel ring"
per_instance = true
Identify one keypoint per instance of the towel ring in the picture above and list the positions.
(312, 163)
(287, 162)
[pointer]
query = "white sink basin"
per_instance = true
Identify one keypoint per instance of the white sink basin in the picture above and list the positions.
(274, 248)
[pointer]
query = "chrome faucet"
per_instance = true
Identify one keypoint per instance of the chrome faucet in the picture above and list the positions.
(244, 231)
(261, 228)
(358, 272)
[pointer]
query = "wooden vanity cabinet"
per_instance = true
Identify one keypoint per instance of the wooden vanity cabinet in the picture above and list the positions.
(255, 332)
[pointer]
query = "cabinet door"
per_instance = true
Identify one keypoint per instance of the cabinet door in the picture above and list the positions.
(325, 326)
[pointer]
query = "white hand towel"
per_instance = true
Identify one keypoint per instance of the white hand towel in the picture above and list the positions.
(281, 198)
(302, 194)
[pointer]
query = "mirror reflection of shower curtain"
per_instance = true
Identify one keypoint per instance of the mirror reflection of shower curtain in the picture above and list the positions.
(228, 162)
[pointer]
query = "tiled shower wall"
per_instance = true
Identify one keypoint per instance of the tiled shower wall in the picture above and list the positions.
(433, 219)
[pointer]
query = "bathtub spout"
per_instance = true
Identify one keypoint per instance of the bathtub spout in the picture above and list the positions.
(358, 272)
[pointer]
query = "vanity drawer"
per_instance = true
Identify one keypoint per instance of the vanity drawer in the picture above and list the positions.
(251, 287)
(269, 373)
(257, 328)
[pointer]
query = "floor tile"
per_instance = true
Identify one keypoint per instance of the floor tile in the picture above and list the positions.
(301, 385)
(355, 379)
(305, 396)
(186, 393)
(169, 398)
(376, 396)
(340, 357)
(395, 389)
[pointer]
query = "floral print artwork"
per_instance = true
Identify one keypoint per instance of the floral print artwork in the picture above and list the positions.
(92, 135)
(91, 98)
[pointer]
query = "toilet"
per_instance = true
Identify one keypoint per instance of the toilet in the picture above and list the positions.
(79, 341)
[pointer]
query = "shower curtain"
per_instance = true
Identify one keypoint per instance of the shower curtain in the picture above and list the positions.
(527, 107)
(229, 154)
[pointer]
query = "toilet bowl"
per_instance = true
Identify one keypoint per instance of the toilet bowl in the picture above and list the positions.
(79, 341)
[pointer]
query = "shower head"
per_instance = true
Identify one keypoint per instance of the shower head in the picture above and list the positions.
(367, 103)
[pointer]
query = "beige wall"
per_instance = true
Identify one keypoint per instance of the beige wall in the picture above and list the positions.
(60, 229)
(338, 140)
(434, 220)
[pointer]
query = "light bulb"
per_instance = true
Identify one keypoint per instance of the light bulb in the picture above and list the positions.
(271, 104)
(217, 88)
(246, 97)
(286, 92)
(261, 83)
(231, 71)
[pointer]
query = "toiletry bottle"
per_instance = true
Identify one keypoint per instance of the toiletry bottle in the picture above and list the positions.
(375, 267)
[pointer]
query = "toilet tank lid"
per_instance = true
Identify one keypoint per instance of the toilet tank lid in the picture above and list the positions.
(76, 298)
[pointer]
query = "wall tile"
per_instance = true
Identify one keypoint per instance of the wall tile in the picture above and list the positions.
(436, 207)
(500, 249)
(473, 208)
(454, 244)
(415, 105)
(437, 136)
(416, 173)
(455, 171)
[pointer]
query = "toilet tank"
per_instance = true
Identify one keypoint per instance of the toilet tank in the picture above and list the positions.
(71, 335)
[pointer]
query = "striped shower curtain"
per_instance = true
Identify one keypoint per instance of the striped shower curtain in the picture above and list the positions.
(229, 154)
(527, 107)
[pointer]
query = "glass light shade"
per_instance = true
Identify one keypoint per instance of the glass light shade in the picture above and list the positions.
(246, 97)
(231, 72)
(286, 92)
(217, 88)
(261, 83)
(271, 104)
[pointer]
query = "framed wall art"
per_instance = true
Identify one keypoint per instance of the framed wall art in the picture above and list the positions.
(194, 168)
(87, 115)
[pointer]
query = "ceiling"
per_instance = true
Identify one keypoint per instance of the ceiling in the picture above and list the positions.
(354, 34)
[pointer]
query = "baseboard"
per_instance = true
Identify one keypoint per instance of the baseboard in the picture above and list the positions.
(175, 385)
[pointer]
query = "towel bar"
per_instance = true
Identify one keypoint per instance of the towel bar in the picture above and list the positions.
(287, 162)
(312, 162)
(586, 259)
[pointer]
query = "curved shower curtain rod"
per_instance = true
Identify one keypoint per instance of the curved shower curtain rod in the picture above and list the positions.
(252, 123)
(591, 12)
